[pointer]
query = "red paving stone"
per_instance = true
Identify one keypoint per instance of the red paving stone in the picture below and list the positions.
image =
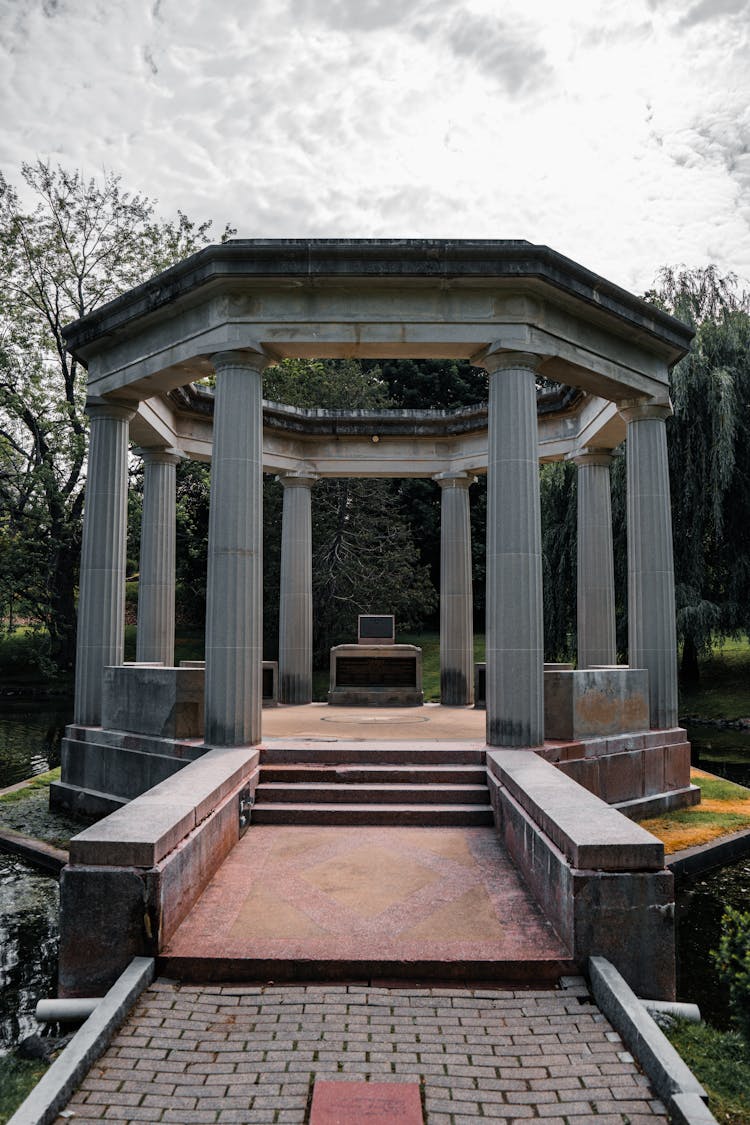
(374, 1103)
(253, 1053)
(306, 902)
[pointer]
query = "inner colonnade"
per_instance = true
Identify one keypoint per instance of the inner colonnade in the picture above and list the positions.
(515, 700)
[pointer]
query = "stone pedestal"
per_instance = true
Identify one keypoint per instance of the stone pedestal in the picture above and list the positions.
(595, 575)
(456, 599)
(595, 702)
(515, 649)
(652, 635)
(376, 676)
(163, 702)
(155, 637)
(234, 604)
(295, 594)
(101, 603)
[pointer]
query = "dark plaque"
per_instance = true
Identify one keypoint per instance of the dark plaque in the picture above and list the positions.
(376, 671)
(376, 627)
(268, 683)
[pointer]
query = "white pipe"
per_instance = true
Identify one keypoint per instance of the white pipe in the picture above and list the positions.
(74, 1010)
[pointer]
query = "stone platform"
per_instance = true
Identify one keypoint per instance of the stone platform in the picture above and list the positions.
(364, 904)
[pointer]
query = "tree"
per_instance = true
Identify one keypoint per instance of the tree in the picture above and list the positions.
(709, 456)
(81, 243)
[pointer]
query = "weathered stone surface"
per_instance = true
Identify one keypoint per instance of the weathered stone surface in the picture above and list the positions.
(166, 702)
(377, 1103)
(595, 702)
(588, 832)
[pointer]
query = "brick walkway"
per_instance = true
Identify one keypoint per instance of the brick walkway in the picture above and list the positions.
(250, 1054)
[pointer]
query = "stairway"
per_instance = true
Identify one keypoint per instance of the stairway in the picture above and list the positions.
(373, 786)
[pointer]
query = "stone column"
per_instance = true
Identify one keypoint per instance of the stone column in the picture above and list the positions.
(456, 599)
(101, 600)
(652, 636)
(515, 642)
(155, 638)
(234, 595)
(596, 573)
(295, 594)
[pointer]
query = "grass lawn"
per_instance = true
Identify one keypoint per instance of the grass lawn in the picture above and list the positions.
(721, 1062)
(724, 688)
(18, 1077)
(724, 809)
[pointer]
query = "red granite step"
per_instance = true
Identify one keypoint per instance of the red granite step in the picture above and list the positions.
(395, 774)
(348, 754)
(333, 792)
(417, 815)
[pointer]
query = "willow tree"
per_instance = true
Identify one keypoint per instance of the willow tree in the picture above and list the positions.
(74, 245)
(709, 457)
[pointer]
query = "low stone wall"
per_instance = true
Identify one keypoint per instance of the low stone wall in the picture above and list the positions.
(599, 878)
(133, 876)
(642, 773)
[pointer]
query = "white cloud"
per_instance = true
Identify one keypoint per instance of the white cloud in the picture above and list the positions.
(620, 140)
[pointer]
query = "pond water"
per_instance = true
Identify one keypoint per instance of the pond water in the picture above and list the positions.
(28, 947)
(30, 734)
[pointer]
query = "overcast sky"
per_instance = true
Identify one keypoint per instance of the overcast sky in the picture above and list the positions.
(616, 132)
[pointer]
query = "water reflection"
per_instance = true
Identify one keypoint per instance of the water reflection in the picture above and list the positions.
(28, 947)
(30, 735)
(725, 753)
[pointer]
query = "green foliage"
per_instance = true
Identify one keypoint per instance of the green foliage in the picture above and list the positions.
(721, 1062)
(25, 655)
(81, 243)
(558, 497)
(732, 962)
(709, 451)
(18, 1077)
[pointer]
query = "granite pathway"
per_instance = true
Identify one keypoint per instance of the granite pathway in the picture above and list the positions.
(251, 1054)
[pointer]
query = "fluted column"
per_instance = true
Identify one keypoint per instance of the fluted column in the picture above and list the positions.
(456, 600)
(295, 595)
(596, 574)
(234, 595)
(515, 643)
(652, 639)
(101, 601)
(155, 637)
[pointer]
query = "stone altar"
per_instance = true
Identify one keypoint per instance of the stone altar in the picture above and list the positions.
(376, 676)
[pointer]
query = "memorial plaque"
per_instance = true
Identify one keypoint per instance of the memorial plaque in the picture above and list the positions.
(376, 629)
(376, 1103)
(374, 671)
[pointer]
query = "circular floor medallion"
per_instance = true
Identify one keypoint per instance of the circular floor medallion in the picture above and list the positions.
(376, 720)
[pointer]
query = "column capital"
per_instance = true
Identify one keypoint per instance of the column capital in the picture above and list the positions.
(293, 479)
(110, 408)
(250, 356)
(160, 455)
(496, 360)
(639, 410)
(455, 479)
(589, 456)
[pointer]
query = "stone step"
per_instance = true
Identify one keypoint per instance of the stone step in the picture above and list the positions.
(359, 774)
(332, 792)
(415, 815)
(345, 754)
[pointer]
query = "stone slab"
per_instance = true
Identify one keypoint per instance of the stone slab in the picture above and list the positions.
(589, 833)
(166, 702)
(146, 829)
(372, 1103)
(595, 702)
(91, 1040)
